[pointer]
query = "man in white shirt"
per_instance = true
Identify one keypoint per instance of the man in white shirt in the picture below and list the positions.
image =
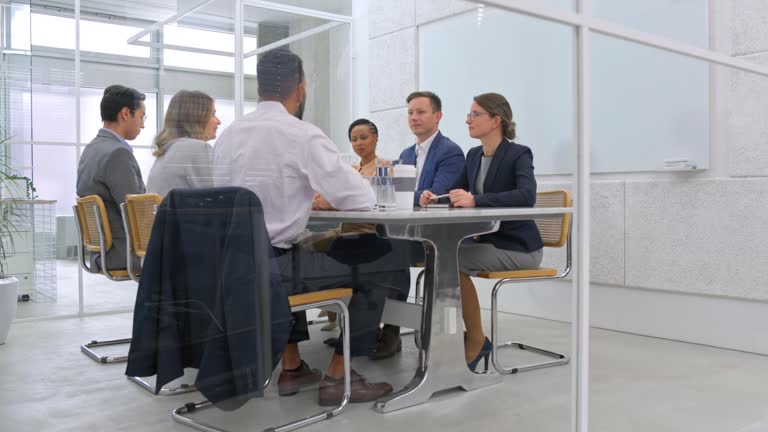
(285, 160)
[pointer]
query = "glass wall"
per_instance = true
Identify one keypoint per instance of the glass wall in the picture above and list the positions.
(53, 83)
(323, 45)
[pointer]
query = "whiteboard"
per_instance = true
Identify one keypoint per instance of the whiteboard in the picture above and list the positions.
(646, 105)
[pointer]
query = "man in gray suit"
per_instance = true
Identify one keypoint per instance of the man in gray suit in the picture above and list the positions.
(108, 168)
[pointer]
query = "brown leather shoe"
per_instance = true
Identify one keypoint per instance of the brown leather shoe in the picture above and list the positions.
(291, 381)
(389, 343)
(332, 390)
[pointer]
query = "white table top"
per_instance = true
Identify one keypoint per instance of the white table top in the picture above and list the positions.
(437, 215)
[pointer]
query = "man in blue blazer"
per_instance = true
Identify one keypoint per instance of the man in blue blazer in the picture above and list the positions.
(439, 163)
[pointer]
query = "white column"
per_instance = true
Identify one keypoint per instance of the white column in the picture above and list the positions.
(580, 304)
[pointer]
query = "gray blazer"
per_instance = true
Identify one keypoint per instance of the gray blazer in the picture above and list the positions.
(186, 164)
(108, 169)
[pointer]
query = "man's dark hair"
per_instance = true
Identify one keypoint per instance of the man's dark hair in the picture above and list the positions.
(117, 97)
(434, 100)
(278, 73)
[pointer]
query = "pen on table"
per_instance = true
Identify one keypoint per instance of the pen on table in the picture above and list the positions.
(437, 197)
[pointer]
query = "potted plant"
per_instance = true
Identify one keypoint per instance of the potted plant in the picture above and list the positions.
(9, 286)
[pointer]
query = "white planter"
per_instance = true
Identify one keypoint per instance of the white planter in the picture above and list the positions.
(9, 291)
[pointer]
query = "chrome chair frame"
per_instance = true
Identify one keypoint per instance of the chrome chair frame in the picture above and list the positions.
(87, 348)
(558, 358)
(179, 416)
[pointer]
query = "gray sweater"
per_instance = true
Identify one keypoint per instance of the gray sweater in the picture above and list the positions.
(187, 163)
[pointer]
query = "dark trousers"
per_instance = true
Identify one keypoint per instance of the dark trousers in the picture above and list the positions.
(373, 267)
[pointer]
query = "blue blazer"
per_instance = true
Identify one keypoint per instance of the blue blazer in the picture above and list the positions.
(509, 183)
(445, 162)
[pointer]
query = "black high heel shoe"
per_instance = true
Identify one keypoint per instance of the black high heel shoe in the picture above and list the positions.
(485, 352)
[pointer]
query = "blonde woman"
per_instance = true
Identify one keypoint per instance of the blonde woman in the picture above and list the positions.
(184, 158)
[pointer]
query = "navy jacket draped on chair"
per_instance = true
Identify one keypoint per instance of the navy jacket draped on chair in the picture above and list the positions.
(207, 298)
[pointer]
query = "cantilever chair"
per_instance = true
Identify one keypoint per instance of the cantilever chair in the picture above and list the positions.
(556, 233)
(138, 213)
(95, 236)
(298, 303)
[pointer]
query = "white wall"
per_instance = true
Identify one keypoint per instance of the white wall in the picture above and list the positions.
(683, 239)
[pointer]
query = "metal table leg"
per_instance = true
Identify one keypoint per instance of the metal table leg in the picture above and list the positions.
(441, 354)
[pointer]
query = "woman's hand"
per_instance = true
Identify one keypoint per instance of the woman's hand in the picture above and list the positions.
(320, 203)
(426, 198)
(461, 198)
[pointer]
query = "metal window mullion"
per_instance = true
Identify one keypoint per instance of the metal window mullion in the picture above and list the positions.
(314, 13)
(352, 69)
(159, 58)
(239, 76)
(183, 48)
(169, 20)
(5, 27)
(110, 59)
(5, 44)
(78, 140)
(581, 293)
(290, 39)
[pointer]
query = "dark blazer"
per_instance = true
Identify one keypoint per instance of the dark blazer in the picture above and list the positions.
(444, 164)
(509, 183)
(209, 298)
(107, 168)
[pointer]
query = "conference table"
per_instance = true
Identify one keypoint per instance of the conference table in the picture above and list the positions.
(441, 364)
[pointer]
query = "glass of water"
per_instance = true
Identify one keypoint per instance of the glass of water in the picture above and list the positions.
(385, 189)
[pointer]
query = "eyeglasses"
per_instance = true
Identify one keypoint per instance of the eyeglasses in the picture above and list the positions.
(474, 114)
(143, 117)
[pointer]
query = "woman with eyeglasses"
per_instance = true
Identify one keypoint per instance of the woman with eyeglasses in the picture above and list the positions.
(184, 158)
(498, 173)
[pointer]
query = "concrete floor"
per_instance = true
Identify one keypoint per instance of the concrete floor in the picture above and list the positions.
(637, 384)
